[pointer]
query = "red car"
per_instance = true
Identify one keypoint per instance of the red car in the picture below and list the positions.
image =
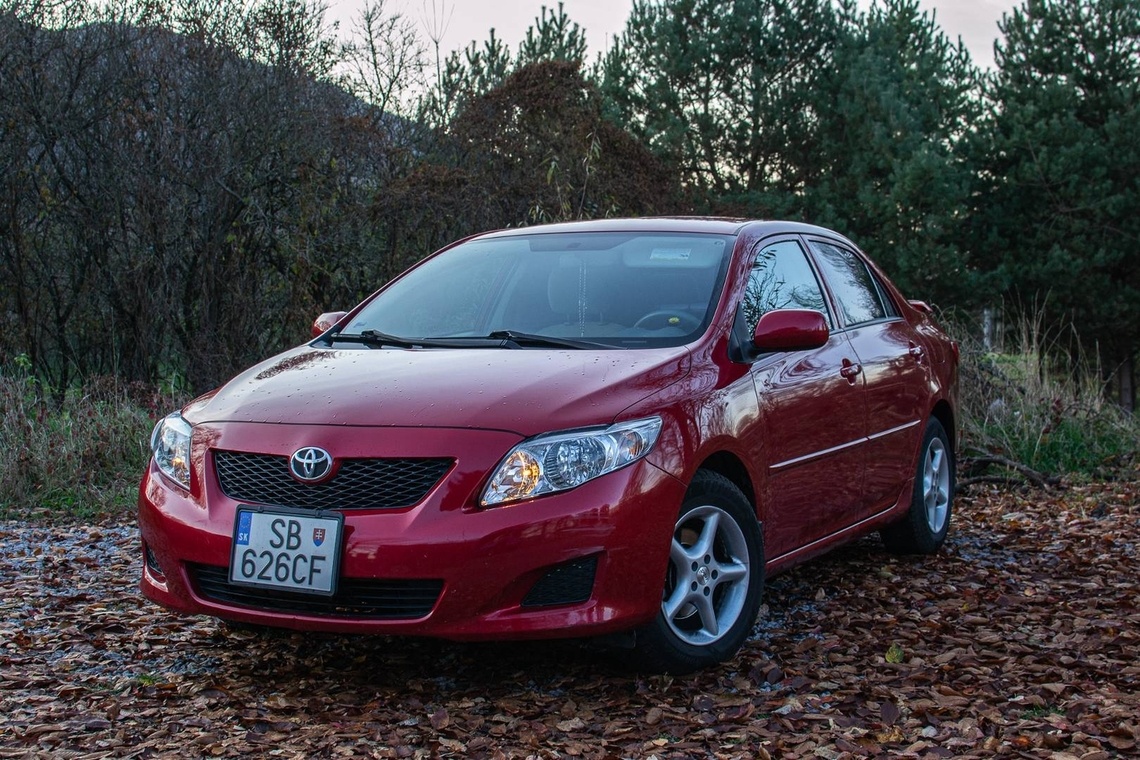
(611, 427)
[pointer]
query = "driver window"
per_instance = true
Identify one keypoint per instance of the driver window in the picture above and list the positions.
(782, 278)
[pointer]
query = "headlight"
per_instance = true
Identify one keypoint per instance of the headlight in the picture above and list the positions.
(170, 444)
(560, 461)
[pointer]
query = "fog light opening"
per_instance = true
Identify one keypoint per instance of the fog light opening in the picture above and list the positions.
(152, 564)
(568, 583)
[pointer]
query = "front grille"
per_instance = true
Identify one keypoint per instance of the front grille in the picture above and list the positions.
(569, 583)
(388, 599)
(358, 484)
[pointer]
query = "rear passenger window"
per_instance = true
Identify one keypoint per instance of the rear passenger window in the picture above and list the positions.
(855, 290)
(782, 278)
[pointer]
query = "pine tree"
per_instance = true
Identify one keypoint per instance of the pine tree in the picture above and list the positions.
(888, 169)
(1060, 157)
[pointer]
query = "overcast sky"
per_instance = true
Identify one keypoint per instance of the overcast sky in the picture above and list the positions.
(975, 21)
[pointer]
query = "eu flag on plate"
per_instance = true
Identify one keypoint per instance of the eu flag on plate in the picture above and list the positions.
(245, 521)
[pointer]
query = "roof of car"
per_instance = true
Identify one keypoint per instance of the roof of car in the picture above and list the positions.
(673, 224)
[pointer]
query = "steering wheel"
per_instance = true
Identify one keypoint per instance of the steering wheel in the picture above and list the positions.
(681, 319)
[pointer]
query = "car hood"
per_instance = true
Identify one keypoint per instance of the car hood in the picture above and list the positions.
(525, 391)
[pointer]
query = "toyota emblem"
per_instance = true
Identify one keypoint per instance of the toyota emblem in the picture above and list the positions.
(310, 464)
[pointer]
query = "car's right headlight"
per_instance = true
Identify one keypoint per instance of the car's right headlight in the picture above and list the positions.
(170, 444)
(561, 461)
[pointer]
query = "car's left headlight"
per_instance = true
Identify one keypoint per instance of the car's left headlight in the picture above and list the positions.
(560, 461)
(170, 444)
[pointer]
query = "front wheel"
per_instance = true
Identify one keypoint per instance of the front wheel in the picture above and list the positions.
(927, 522)
(713, 582)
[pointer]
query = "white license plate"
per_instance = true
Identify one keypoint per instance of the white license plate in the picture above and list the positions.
(288, 550)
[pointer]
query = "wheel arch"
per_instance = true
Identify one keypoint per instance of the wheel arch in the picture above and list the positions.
(730, 466)
(945, 415)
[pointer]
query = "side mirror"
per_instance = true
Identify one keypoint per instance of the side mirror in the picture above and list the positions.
(790, 330)
(324, 322)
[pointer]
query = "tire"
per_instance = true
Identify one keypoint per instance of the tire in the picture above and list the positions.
(927, 522)
(713, 583)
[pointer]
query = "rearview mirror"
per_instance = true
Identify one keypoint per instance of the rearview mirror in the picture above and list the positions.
(790, 330)
(325, 322)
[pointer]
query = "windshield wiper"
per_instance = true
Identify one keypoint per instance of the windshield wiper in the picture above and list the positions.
(377, 338)
(497, 339)
(522, 339)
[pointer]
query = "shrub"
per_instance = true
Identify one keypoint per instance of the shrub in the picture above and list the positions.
(1040, 406)
(75, 454)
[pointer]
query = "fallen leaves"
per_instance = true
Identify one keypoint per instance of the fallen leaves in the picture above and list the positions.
(1020, 639)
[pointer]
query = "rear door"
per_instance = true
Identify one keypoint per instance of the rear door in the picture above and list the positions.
(894, 366)
(812, 407)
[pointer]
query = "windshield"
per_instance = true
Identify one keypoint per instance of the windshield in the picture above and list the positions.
(619, 290)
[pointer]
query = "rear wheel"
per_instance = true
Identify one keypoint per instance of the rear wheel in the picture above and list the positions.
(713, 582)
(927, 522)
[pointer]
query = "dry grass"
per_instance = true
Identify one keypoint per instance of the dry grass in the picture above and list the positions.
(77, 454)
(1028, 404)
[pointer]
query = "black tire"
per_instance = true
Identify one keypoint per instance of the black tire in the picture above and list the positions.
(927, 522)
(710, 599)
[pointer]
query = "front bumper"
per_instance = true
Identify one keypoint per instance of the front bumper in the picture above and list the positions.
(582, 562)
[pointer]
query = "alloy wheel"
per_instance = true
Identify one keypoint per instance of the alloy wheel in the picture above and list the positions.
(936, 485)
(707, 583)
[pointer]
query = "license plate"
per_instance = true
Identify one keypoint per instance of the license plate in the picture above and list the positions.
(281, 549)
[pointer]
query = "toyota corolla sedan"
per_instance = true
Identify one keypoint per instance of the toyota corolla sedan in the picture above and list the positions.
(614, 428)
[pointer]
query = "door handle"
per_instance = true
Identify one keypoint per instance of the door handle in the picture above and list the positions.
(850, 371)
(917, 352)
